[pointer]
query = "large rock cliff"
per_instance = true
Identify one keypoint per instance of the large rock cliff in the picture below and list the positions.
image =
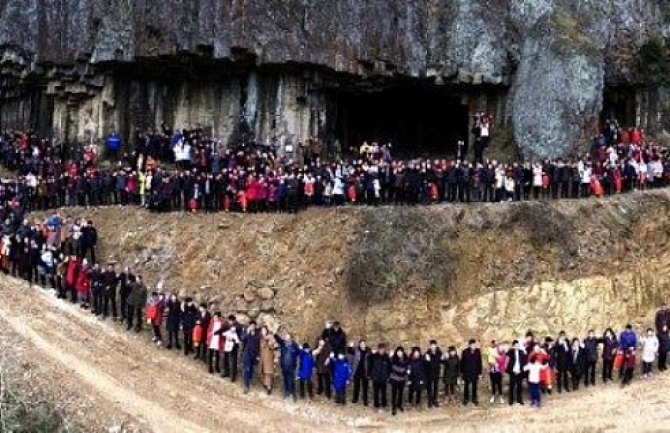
(117, 64)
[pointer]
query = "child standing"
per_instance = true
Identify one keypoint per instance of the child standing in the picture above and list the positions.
(534, 369)
(341, 377)
(305, 370)
(628, 365)
(649, 351)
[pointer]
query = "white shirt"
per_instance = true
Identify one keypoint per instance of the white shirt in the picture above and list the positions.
(214, 342)
(231, 339)
(534, 370)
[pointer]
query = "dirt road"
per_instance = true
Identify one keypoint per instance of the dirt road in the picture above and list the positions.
(125, 380)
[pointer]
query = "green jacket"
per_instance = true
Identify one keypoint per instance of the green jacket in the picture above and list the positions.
(138, 295)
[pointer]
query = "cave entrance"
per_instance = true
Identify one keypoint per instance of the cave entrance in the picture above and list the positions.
(419, 120)
(619, 103)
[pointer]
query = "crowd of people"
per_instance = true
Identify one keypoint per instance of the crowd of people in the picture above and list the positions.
(59, 252)
(207, 175)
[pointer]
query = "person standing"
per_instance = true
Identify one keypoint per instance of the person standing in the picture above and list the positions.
(111, 282)
(288, 361)
(649, 344)
(433, 360)
(471, 370)
(230, 345)
(267, 359)
(341, 376)
(215, 341)
(516, 362)
(452, 368)
(127, 280)
(305, 371)
(497, 361)
(417, 377)
(561, 357)
(663, 348)
(173, 322)
(336, 337)
(534, 370)
(189, 314)
(398, 378)
(577, 363)
(137, 299)
(591, 358)
(358, 361)
(380, 370)
(250, 352)
(204, 318)
(323, 373)
(610, 345)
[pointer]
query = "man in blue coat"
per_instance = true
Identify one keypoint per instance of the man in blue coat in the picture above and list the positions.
(288, 360)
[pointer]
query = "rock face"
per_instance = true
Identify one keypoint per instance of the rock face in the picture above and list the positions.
(407, 275)
(87, 67)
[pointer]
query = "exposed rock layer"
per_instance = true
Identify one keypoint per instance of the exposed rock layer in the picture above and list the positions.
(555, 57)
(480, 270)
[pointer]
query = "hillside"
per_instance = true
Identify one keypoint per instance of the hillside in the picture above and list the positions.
(405, 275)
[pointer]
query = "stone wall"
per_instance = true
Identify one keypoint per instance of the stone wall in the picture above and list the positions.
(557, 55)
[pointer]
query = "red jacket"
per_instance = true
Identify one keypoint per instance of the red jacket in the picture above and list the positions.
(83, 285)
(72, 272)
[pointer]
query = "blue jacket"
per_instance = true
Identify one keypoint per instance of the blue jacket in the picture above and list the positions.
(341, 374)
(288, 355)
(306, 364)
(627, 339)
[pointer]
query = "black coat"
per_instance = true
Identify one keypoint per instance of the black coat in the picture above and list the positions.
(433, 361)
(189, 315)
(578, 362)
(417, 373)
(379, 367)
(336, 338)
(471, 364)
(173, 315)
(561, 355)
(523, 360)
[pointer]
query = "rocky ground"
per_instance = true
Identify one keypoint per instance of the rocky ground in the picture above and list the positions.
(107, 380)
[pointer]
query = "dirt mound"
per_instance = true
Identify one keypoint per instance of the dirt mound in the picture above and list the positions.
(407, 274)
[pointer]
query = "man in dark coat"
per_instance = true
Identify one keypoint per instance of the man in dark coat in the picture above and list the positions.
(127, 279)
(136, 302)
(433, 360)
(471, 370)
(379, 369)
(516, 361)
(189, 314)
(358, 360)
(591, 343)
(251, 339)
(111, 281)
(561, 356)
(336, 337)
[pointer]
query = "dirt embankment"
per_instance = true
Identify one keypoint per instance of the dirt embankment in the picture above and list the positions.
(408, 274)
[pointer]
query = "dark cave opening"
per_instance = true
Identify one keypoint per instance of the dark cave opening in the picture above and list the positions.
(419, 120)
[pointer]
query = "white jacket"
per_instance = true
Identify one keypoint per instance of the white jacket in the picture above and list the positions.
(649, 348)
(231, 339)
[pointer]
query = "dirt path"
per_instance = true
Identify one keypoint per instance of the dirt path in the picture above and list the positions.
(163, 392)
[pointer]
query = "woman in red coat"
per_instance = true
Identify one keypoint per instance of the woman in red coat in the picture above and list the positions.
(71, 275)
(83, 286)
